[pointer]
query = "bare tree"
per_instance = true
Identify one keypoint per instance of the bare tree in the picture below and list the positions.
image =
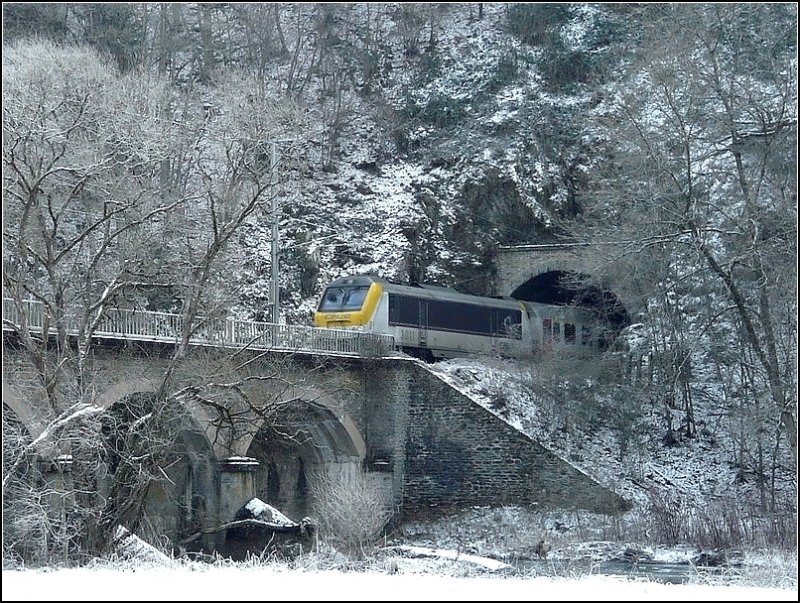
(79, 147)
(112, 185)
(353, 508)
(703, 194)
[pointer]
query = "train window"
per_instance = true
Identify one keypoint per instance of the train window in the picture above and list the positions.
(586, 335)
(459, 318)
(404, 311)
(556, 332)
(547, 329)
(569, 332)
(454, 317)
(337, 299)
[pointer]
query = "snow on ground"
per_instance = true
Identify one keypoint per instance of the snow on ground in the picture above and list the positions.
(276, 582)
(484, 562)
(401, 573)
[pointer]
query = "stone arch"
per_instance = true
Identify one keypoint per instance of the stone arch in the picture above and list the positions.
(309, 440)
(183, 497)
(516, 265)
(123, 389)
(335, 425)
(536, 273)
(551, 266)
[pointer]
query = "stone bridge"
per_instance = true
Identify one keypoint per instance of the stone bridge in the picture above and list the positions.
(298, 418)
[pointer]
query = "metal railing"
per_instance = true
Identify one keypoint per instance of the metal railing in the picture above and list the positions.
(142, 325)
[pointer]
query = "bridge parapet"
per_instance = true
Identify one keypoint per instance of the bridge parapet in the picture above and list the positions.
(143, 325)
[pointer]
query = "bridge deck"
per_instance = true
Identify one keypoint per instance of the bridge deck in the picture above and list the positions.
(141, 325)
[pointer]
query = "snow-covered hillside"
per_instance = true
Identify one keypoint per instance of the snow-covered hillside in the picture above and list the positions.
(695, 480)
(428, 176)
(478, 144)
(421, 138)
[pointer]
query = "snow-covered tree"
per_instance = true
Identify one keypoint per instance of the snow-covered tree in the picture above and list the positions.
(700, 199)
(115, 185)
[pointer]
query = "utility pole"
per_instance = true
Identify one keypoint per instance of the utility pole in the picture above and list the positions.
(274, 294)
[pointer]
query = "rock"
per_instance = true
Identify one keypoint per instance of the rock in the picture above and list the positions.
(130, 547)
(260, 529)
(636, 555)
(710, 559)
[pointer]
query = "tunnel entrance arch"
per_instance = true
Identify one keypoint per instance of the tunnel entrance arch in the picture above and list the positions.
(565, 287)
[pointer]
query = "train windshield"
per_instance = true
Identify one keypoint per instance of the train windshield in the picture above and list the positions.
(342, 299)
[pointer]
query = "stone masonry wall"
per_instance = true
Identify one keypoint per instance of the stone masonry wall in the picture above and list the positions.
(516, 266)
(458, 454)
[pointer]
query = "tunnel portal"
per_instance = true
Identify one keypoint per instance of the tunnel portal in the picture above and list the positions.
(565, 288)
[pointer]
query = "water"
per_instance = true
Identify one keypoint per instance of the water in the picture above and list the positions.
(654, 571)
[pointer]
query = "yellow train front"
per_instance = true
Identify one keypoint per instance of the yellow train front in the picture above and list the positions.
(427, 321)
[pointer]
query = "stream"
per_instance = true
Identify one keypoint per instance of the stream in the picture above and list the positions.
(655, 571)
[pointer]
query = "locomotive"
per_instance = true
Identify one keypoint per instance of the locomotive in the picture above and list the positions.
(432, 322)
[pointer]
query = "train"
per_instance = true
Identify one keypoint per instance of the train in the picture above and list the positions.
(434, 323)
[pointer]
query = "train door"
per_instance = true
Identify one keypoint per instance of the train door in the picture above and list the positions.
(495, 331)
(496, 324)
(423, 323)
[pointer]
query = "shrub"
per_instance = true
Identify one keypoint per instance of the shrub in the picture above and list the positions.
(351, 507)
